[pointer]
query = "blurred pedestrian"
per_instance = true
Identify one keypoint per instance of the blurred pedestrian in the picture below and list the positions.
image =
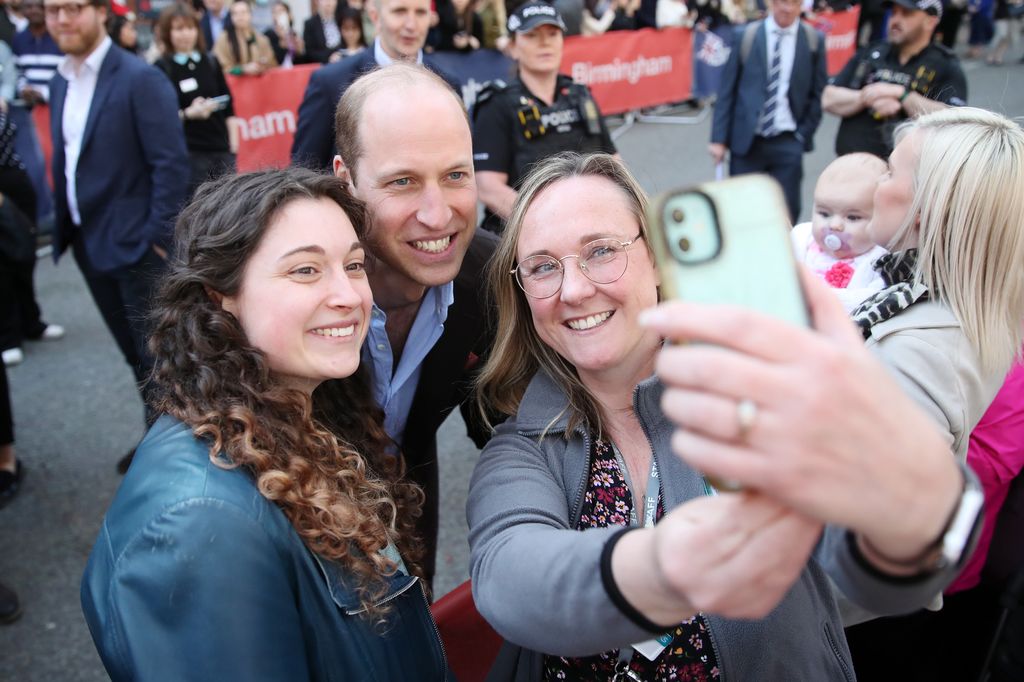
(887, 83)
(120, 178)
(123, 32)
(288, 47)
(769, 99)
(322, 34)
(240, 49)
(204, 100)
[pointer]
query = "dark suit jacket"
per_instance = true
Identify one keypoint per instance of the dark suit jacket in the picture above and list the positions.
(313, 145)
(133, 169)
(204, 25)
(742, 91)
(446, 382)
(316, 42)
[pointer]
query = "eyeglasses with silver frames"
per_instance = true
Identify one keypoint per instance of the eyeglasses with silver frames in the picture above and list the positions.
(602, 261)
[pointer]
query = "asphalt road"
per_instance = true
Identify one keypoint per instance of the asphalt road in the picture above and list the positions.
(77, 412)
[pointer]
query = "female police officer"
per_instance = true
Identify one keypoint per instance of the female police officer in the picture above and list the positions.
(540, 113)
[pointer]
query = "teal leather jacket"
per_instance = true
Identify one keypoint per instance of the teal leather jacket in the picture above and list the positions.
(196, 576)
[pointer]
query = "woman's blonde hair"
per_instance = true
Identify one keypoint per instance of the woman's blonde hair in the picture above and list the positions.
(968, 210)
(518, 351)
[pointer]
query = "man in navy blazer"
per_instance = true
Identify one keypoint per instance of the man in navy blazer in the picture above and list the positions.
(215, 19)
(767, 123)
(401, 27)
(120, 169)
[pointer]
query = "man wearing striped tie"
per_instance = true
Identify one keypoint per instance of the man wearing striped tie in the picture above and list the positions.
(769, 99)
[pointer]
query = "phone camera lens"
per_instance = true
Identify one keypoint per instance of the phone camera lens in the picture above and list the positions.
(677, 215)
(684, 244)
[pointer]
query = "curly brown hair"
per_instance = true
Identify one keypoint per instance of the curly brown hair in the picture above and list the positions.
(324, 461)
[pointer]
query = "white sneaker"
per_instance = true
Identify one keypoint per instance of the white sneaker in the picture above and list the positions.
(13, 356)
(52, 332)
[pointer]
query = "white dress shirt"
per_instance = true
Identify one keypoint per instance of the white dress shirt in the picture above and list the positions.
(217, 25)
(784, 120)
(384, 59)
(81, 87)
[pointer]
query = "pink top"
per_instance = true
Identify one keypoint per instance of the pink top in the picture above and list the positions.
(996, 453)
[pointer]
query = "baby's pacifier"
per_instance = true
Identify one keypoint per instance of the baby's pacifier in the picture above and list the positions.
(833, 242)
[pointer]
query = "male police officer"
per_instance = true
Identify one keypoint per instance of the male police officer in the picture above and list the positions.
(887, 83)
(540, 113)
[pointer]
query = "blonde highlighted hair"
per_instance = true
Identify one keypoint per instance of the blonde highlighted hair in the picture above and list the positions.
(968, 212)
(518, 351)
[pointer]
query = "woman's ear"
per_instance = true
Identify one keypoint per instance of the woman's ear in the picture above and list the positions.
(226, 303)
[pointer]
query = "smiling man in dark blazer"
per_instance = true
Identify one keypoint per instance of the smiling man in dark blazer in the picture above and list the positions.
(769, 99)
(401, 27)
(404, 147)
(120, 169)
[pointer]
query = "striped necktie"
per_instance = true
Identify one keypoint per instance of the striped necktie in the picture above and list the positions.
(766, 121)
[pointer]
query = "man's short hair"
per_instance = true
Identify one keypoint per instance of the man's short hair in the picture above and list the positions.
(349, 111)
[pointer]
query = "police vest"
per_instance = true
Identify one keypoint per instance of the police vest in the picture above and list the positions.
(571, 123)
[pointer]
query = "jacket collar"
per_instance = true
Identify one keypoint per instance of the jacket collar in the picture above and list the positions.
(544, 399)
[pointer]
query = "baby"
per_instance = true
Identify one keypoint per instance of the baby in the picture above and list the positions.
(835, 245)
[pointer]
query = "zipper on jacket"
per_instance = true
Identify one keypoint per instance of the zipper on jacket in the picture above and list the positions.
(714, 648)
(385, 600)
(838, 654)
(437, 634)
(577, 505)
(661, 492)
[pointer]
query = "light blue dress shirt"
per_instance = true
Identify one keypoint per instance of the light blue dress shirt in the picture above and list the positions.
(395, 387)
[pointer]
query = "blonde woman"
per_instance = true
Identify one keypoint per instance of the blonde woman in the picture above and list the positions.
(599, 554)
(950, 208)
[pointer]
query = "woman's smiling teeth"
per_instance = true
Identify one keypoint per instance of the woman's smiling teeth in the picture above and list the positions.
(583, 323)
(336, 331)
(433, 245)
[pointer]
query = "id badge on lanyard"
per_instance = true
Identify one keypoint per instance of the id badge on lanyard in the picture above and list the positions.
(651, 648)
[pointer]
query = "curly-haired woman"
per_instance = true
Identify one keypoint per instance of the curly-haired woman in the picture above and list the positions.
(261, 531)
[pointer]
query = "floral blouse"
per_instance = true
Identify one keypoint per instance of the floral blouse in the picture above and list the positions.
(690, 655)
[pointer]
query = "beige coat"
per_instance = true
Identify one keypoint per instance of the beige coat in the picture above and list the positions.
(930, 356)
(258, 51)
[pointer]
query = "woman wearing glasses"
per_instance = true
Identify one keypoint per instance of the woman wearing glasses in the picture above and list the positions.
(701, 585)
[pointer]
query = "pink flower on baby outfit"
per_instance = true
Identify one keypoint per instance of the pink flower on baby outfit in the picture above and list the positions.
(839, 275)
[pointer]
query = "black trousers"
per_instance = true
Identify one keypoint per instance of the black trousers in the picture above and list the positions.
(927, 646)
(20, 317)
(124, 297)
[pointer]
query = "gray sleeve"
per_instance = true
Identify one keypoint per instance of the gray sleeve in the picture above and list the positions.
(536, 580)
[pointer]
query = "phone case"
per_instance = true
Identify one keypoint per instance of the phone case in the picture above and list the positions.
(753, 265)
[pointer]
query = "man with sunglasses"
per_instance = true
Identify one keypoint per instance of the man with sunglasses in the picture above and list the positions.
(120, 171)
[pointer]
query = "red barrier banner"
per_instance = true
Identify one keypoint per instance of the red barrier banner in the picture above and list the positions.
(629, 70)
(267, 107)
(41, 120)
(840, 29)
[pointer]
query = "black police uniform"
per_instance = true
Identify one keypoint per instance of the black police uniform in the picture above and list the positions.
(513, 129)
(933, 72)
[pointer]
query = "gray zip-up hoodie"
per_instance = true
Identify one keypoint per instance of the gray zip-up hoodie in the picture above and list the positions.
(537, 580)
